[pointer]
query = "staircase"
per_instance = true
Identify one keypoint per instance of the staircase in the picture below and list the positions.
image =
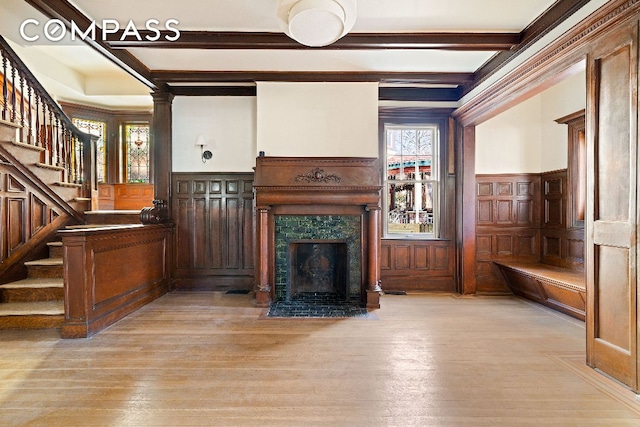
(37, 301)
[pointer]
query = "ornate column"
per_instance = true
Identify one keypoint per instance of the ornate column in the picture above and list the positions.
(262, 288)
(162, 147)
(373, 242)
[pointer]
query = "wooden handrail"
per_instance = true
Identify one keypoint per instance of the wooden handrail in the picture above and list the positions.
(25, 102)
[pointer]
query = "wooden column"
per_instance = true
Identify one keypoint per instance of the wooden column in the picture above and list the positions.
(373, 272)
(161, 146)
(468, 210)
(263, 288)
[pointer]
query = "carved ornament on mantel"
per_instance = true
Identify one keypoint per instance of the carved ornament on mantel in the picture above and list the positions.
(317, 175)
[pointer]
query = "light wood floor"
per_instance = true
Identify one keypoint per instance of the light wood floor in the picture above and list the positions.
(207, 359)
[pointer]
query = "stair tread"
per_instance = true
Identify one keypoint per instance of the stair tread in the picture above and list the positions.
(45, 261)
(57, 244)
(31, 308)
(37, 282)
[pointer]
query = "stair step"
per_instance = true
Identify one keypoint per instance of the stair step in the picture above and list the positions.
(31, 315)
(55, 249)
(32, 290)
(47, 267)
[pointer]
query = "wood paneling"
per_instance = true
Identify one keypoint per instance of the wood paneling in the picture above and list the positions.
(612, 207)
(410, 265)
(110, 272)
(213, 214)
(507, 227)
(124, 196)
(523, 218)
(29, 217)
(562, 243)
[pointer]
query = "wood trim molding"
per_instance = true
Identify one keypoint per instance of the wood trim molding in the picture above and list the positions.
(553, 17)
(184, 76)
(354, 41)
(545, 68)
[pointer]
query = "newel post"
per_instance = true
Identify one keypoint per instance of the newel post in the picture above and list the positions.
(373, 273)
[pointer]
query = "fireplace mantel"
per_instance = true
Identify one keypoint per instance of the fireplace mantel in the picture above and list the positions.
(320, 186)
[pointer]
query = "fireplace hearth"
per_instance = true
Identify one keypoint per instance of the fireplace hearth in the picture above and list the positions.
(317, 230)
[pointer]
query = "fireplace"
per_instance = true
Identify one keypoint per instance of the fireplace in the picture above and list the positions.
(318, 267)
(317, 228)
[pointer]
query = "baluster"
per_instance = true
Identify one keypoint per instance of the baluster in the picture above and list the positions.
(81, 159)
(65, 154)
(56, 145)
(45, 140)
(22, 138)
(13, 94)
(5, 85)
(38, 141)
(30, 139)
(50, 141)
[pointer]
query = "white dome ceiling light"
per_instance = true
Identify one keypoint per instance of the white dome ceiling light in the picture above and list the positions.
(316, 23)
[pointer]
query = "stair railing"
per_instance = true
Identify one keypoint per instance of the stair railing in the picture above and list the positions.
(43, 124)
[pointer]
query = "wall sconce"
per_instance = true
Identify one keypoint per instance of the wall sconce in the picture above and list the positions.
(204, 154)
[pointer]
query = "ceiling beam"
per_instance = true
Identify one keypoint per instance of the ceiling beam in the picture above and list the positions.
(354, 41)
(170, 76)
(422, 94)
(66, 12)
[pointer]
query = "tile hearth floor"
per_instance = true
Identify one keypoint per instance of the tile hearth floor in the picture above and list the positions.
(316, 304)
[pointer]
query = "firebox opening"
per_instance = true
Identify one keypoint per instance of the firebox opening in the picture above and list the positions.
(318, 267)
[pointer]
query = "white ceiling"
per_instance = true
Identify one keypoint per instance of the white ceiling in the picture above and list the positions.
(96, 81)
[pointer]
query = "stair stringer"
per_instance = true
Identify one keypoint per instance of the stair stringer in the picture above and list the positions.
(31, 213)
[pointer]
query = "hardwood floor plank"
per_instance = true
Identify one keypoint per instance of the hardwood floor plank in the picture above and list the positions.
(205, 359)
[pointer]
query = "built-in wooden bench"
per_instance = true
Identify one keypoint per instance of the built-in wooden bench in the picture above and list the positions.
(562, 289)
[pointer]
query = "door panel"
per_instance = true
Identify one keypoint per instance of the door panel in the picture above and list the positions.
(612, 182)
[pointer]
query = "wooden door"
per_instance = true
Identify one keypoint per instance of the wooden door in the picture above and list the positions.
(612, 206)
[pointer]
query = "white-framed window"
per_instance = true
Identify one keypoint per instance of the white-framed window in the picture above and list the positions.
(411, 181)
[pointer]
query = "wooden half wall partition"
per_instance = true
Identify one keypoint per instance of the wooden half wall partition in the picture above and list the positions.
(109, 272)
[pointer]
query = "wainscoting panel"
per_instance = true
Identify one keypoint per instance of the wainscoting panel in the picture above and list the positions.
(425, 265)
(509, 228)
(529, 225)
(213, 214)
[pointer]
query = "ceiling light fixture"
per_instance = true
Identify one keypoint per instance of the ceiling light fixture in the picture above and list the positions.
(316, 23)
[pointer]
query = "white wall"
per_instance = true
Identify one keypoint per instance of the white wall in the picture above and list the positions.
(526, 138)
(563, 99)
(317, 119)
(228, 125)
(510, 142)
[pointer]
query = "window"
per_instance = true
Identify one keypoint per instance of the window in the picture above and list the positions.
(98, 129)
(411, 180)
(576, 168)
(136, 137)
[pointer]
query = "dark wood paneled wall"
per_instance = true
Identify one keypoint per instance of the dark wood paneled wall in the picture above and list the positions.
(507, 225)
(561, 244)
(213, 214)
(410, 265)
(523, 217)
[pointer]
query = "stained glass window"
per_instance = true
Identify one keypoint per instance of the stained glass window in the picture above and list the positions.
(411, 180)
(98, 129)
(137, 152)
